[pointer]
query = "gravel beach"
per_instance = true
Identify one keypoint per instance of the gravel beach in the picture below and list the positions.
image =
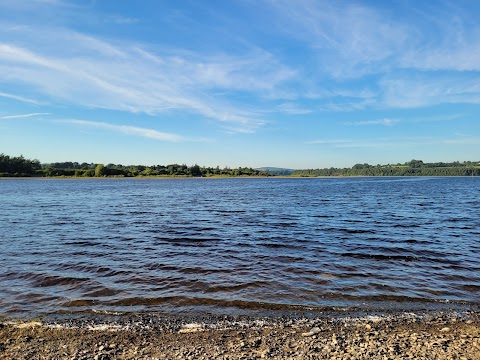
(399, 336)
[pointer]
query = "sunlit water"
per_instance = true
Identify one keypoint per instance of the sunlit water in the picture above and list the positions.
(170, 245)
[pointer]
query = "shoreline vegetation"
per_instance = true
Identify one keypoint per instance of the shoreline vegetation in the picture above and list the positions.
(445, 335)
(21, 167)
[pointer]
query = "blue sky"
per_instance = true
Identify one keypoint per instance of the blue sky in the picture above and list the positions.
(299, 84)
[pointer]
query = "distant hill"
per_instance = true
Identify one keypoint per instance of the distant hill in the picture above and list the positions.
(276, 171)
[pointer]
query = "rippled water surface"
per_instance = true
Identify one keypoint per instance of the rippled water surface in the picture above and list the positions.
(156, 245)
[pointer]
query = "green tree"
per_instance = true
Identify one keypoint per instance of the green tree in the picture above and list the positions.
(195, 170)
(100, 170)
(415, 164)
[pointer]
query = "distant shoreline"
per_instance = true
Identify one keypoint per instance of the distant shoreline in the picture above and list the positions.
(21, 167)
(227, 177)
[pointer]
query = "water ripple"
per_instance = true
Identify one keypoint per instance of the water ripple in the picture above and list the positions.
(129, 245)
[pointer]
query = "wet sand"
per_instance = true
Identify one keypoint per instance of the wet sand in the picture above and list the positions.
(396, 336)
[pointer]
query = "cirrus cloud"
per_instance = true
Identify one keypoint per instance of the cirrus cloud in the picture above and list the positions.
(130, 130)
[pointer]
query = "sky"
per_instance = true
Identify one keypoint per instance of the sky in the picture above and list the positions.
(297, 84)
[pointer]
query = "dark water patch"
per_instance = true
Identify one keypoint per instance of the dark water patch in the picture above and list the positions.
(287, 218)
(199, 271)
(349, 230)
(75, 303)
(37, 297)
(465, 227)
(425, 204)
(186, 239)
(83, 242)
(61, 223)
(41, 280)
(182, 302)
(285, 245)
(117, 214)
(406, 225)
(471, 288)
(236, 288)
(458, 219)
(143, 212)
(284, 224)
(101, 293)
(381, 256)
(140, 222)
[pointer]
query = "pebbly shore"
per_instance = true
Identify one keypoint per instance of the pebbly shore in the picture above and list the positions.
(446, 335)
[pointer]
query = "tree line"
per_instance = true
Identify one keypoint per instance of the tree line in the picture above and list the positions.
(411, 168)
(18, 166)
(21, 167)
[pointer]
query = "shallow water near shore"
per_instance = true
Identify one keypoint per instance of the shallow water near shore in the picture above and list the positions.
(238, 246)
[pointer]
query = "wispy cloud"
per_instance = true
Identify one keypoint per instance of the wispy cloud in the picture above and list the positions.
(436, 118)
(356, 56)
(423, 90)
(462, 139)
(384, 122)
(292, 109)
(22, 115)
(459, 57)
(388, 142)
(19, 98)
(130, 130)
(363, 39)
(128, 77)
(327, 142)
(32, 5)
(463, 135)
(350, 39)
(343, 143)
(353, 40)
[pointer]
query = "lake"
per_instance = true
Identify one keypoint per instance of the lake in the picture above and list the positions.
(238, 245)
